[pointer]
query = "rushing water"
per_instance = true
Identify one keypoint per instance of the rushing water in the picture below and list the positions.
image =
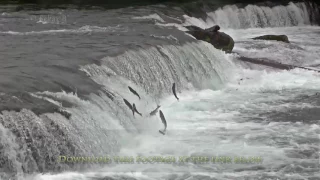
(83, 61)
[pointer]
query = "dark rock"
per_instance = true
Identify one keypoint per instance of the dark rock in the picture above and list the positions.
(282, 38)
(273, 64)
(212, 35)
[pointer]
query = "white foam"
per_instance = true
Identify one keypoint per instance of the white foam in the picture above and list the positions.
(170, 37)
(83, 29)
(303, 49)
(195, 21)
(212, 123)
(151, 16)
(230, 16)
(178, 26)
(50, 19)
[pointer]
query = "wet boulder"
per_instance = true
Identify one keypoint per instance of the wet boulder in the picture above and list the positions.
(282, 38)
(212, 35)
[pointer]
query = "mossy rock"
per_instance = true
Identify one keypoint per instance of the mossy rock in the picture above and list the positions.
(282, 38)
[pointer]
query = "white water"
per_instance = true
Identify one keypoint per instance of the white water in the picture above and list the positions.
(225, 122)
(294, 14)
(50, 19)
(151, 16)
(302, 51)
(83, 29)
(252, 16)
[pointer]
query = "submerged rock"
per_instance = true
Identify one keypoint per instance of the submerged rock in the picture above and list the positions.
(212, 35)
(282, 38)
(273, 64)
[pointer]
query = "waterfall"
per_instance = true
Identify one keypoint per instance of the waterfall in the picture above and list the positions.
(253, 16)
(99, 125)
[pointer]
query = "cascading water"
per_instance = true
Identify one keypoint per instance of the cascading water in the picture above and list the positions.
(105, 118)
(252, 16)
(155, 69)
